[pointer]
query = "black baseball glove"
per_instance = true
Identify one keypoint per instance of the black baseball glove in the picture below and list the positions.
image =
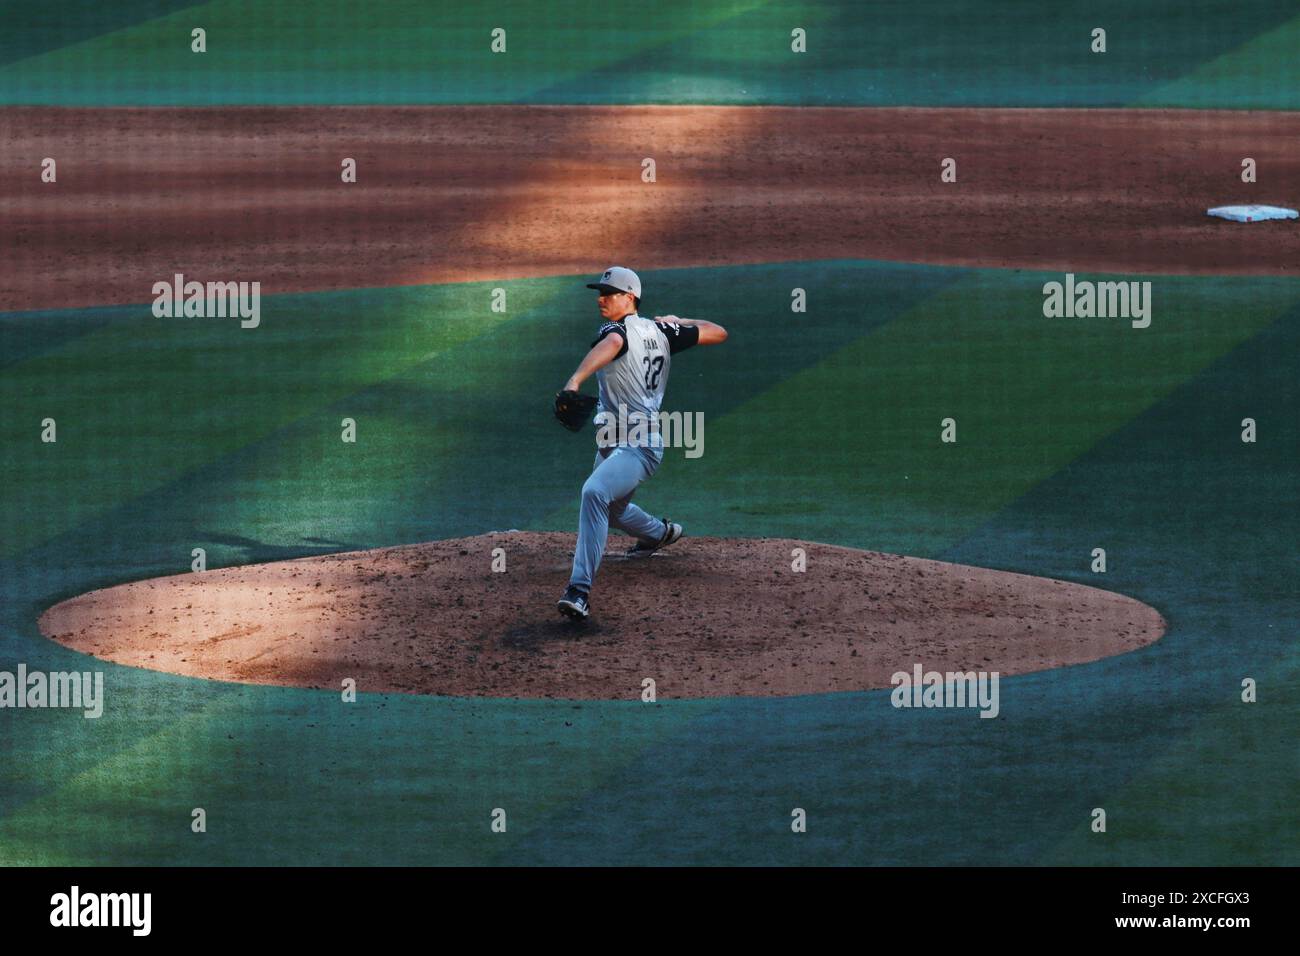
(573, 409)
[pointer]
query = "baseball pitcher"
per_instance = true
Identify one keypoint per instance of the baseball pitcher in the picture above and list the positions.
(630, 357)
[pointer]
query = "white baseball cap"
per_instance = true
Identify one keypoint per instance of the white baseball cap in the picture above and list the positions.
(617, 279)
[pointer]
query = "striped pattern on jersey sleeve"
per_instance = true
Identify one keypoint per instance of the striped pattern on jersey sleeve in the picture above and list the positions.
(612, 328)
(680, 337)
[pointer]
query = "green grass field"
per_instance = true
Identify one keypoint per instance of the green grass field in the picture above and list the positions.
(1073, 434)
(938, 53)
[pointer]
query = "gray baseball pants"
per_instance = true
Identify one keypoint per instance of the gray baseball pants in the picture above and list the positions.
(606, 501)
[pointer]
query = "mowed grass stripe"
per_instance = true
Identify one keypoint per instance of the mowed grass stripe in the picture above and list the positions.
(294, 777)
(145, 400)
(38, 30)
(1028, 394)
(337, 52)
(1224, 792)
(450, 399)
(1261, 73)
(1022, 52)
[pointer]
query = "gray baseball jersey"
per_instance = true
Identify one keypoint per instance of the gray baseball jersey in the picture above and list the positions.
(637, 378)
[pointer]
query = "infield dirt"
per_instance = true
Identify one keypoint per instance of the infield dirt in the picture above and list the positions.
(455, 194)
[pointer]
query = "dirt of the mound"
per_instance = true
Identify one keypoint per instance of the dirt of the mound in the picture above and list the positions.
(709, 617)
(451, 193)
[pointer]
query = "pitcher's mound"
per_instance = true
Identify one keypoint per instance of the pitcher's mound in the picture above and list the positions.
(707, 617)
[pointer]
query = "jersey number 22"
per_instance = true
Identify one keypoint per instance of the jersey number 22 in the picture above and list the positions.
(652, 369)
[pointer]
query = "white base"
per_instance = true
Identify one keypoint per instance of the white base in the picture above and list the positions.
(1252, 213)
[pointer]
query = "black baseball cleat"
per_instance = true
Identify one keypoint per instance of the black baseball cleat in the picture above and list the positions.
(672, 532)
(573, 604)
